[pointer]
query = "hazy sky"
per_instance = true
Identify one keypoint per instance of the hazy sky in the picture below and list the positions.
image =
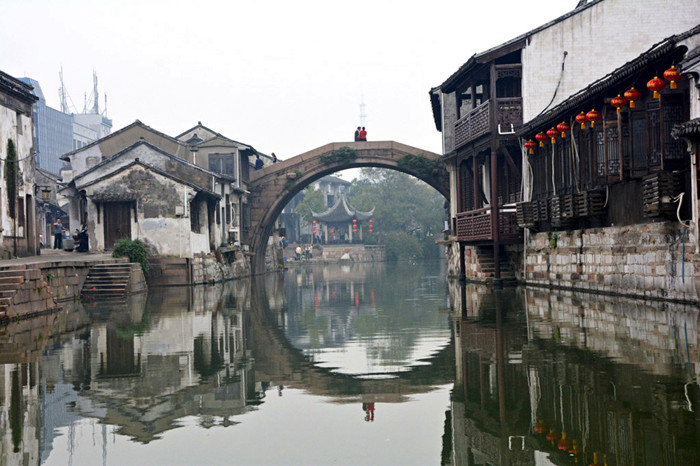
(283, 76)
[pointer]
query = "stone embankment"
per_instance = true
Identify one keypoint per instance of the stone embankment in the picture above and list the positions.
(38, 285)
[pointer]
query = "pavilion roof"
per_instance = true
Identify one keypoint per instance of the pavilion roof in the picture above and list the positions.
(341, 212)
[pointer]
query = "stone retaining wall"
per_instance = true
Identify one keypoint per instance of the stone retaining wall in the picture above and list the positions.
(650, 260)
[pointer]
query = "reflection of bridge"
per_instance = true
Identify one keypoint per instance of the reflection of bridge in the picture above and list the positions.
(274, 186)
(278, 360)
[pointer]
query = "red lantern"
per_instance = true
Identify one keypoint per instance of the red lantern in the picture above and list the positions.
(370, 220)
(593, 116)
(553, 134)
(539, 427)
(618, 102)
(632, 95)
(581, 118)
(574, 448)
(564, 444)
(563, 127)
(354, 220)
(314, 222)
(672, 75)
(354, 230)
(370, 230)
(656, 85)
(541, 137)
(530, 145)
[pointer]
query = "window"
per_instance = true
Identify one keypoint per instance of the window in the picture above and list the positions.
(194, 216)
(221, 163)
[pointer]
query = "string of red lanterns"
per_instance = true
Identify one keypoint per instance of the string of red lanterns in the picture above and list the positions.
(629, 97)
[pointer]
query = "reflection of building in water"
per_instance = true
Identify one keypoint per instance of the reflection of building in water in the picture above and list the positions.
(134, 368)
(567, 377)
(20, 418)
(186, 361)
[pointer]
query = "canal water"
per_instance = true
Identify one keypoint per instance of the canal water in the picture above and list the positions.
(353, 364)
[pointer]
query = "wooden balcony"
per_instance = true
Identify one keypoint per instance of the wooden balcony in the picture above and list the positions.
(509, 115)
(472, 125)
(474, 226)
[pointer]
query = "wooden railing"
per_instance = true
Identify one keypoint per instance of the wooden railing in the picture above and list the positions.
(475, 226)
(509, 115)
(472, 125)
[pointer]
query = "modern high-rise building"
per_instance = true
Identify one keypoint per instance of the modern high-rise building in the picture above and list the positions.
(57, 132)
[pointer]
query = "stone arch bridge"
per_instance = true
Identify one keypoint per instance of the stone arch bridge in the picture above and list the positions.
(272, 187)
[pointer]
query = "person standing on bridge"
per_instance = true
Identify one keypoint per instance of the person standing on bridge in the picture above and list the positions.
(258, 162)
(363, 134)
(357, 134)
(274, 158)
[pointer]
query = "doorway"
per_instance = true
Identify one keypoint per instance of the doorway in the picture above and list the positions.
(117, 222)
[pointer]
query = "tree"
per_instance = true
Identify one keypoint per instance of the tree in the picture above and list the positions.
(313, 201)
(408, 213)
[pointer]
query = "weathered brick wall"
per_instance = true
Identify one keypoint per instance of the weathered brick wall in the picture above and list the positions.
(642, 260)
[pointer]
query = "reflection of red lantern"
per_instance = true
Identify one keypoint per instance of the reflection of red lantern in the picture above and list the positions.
(553, 134)
(552, 436)
(656, 85)
(581, 118)
(564, 444)
(672, 75)
(632, 95)
(593, 116)
(530, 145)
(618, 102)
(563, 128)
(574, 448)
(539, 427)
(595, 460)
(541, 137)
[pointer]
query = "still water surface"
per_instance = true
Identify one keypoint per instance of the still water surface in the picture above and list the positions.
(356, 364)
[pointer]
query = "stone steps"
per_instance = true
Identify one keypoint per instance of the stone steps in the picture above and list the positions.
(107, 281)
(11, 279)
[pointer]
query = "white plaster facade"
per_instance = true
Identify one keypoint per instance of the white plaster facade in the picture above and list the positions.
(597, 39)
(19, 235)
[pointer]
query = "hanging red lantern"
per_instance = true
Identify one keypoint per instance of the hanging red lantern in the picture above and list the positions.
(672, 75)
(370, 230)
(581, 118)
(314, 222)
(530, 145)
(354, 220)
(553, 134)
(632, 95)
(370, 220)
(656, 85)
(618, 102)
(563, 128)
(593, 116)
(354, 230)
(541, 137)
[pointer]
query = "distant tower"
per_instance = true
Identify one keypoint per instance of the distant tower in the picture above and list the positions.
(95, 94)
(363, 115)
(62, 94)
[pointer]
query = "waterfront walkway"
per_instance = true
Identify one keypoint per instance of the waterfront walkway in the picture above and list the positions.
(56, 255)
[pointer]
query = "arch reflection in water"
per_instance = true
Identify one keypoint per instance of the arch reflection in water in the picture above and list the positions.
(359, 320)
(96, 380)
(565, 378)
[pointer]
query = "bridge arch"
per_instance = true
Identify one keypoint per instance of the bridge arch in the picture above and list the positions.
(272, 187)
